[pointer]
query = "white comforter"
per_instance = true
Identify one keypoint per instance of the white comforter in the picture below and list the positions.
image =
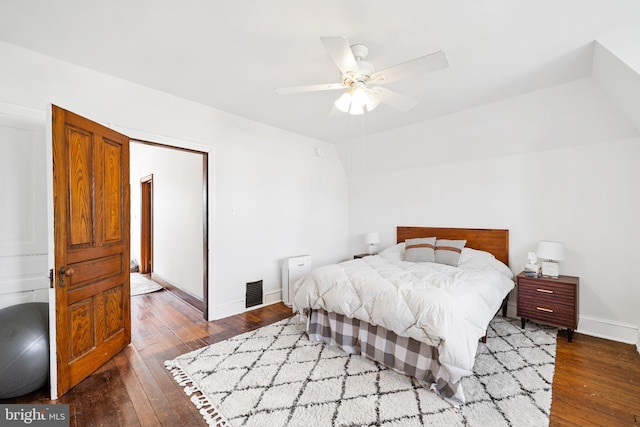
(448, 307)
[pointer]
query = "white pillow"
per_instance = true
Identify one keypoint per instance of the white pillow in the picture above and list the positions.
(468, 253)
(502, 268)
(393, 253)
(474, 259)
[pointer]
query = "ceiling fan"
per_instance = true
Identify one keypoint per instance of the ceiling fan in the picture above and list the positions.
(359, 77)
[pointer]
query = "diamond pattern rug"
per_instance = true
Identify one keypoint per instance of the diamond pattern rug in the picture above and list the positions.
(274, 376)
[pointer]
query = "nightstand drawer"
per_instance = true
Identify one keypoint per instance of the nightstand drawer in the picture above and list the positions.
(556, 294)
(544, 287)
(554, 313)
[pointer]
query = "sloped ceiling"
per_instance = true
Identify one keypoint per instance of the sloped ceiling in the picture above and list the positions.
(616, 68)
(231, 55)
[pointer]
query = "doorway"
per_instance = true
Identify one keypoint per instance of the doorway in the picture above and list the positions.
(91, 327)
(146, 224)
(169, 211)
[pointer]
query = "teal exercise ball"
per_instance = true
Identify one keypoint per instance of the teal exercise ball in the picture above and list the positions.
(24, 348)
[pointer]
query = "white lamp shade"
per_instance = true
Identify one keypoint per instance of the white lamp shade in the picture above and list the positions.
(356, 109)
(372, 102)
(359, 96)
(550, 250)
(344, 102)
(354, 100)
(371, 238)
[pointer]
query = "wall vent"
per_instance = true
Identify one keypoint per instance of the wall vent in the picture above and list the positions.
(254, 294)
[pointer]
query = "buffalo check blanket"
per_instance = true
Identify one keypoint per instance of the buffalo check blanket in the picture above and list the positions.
(402, 354)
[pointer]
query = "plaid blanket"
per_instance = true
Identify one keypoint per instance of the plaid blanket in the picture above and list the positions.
(402, 354)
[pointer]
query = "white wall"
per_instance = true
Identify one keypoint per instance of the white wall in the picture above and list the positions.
(281, 202)
(557, 164)
(23, 210)
(272, 196)
(177, 213)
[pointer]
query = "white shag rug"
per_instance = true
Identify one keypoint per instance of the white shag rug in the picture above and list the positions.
(274, 376)
(141, 285)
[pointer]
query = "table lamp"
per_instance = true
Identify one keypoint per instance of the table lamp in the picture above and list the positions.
(371, 239)
(552, 252)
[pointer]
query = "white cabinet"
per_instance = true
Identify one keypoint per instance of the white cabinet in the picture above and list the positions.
(293, 268)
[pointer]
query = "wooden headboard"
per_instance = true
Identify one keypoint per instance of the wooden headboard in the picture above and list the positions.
(492, 241)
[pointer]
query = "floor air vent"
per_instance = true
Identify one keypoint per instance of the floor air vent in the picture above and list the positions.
(254, 293)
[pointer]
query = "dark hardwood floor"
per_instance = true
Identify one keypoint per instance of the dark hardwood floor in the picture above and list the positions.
(134, 388)
(596, 382)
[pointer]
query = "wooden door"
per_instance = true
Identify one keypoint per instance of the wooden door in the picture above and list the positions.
(146, 225)
(91, 246)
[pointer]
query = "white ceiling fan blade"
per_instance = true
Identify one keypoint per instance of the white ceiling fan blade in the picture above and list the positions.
(340, 52)
(394, 99)
(308, 88)
(424, 64)
(334, 113)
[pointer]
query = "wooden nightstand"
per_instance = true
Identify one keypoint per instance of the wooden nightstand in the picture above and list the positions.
(361, 255)
(546, 300)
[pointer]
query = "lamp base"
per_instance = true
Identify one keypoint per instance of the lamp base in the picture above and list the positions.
(550, 269)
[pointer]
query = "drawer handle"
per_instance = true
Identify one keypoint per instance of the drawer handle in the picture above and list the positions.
(548, 310)
(546, 291)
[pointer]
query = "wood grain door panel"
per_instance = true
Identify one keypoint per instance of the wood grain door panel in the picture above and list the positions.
(113, 301)
(82, 331)
(91, 239)
(89, 271)
(80, 177)
(113, 215)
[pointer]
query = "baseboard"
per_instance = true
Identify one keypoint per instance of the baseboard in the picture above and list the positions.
(272, 297)
(179, 292)
(237, 307)
(601, 328)
(608, 329)
(512, 309)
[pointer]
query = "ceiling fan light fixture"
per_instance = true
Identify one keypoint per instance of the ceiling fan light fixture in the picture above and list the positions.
(359, 95)
(344, 102)
(357, 74)
(372, 102)
(356, 99)
(356, 109)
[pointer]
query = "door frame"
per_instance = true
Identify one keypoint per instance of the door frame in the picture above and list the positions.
(146, 224)
(204, 306)
(135, 135)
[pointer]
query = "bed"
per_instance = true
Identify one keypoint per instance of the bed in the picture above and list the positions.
(423, 319)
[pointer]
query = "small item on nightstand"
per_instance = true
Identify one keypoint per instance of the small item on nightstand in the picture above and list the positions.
(531, 268)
